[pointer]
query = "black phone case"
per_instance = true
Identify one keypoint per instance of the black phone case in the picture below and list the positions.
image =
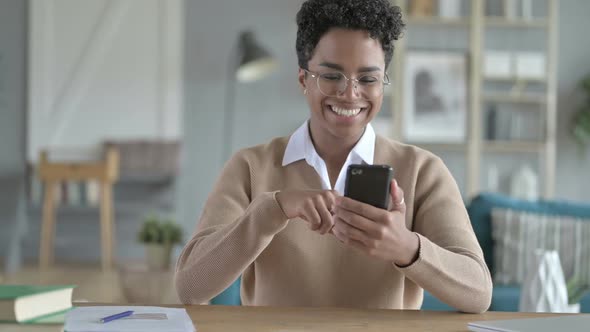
(369, 184)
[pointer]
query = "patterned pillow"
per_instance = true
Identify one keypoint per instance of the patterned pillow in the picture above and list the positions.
(516, 235)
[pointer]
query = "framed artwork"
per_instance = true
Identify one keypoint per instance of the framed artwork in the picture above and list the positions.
(435, 97)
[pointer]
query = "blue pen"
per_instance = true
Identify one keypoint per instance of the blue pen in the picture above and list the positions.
(116, 316)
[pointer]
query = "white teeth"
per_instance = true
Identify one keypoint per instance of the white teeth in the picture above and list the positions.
(345, 112)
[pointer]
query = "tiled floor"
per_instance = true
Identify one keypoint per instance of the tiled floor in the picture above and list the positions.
(129, 284)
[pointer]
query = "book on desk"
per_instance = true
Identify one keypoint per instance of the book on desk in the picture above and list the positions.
(34, 303)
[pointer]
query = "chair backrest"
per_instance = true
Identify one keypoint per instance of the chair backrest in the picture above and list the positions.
(230, 296)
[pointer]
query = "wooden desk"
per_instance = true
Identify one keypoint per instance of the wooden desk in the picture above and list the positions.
(275, 319)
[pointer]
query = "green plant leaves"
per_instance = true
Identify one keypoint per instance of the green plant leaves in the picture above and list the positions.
(581, 120)
(582, 126)
(160, 231)
(576, 289)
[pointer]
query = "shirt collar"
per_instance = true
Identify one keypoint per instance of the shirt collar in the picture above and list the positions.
(300, 146)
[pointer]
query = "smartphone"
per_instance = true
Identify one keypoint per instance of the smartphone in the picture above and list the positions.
(369, 184)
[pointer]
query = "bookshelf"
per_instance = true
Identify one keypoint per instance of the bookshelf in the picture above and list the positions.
(502, 22)
(437, 21)
(511, 95)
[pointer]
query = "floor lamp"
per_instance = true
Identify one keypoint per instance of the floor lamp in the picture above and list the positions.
(250, 62)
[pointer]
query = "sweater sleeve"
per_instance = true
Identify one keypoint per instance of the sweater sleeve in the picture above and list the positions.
(233, 230)
(450, 263)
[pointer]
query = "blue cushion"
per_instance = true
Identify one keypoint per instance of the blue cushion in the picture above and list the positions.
(230, 296)
(480, 214)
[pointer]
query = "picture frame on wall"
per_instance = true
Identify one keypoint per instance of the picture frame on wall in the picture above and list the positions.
(435, 97)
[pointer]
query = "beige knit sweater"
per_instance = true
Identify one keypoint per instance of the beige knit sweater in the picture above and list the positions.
(243, 231)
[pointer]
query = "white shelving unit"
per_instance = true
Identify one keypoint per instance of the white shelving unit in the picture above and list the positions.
(476, 25)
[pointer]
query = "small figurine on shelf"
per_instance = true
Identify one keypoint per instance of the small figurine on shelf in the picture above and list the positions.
(491, 123)
(422, 8)
(527, 9)
(449, 8)
(510, 9)
(524, 184)
(493, 178)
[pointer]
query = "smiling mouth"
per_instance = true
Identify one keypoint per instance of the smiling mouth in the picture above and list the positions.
(346, 112)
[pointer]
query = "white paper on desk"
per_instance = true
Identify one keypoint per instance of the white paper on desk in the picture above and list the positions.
(86, 319)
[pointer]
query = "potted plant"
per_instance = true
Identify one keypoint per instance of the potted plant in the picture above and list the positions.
(576, 289)
(581, 121)
(159, 236)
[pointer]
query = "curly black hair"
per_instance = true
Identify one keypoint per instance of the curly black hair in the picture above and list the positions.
(380, 18)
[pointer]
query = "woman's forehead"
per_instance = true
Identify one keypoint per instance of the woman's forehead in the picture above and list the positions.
(352, 50)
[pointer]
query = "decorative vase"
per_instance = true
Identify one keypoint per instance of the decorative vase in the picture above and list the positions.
(449, 8)
(524, 184)
(158, 256)
(510, 9)
(544, 288)
(527, 9)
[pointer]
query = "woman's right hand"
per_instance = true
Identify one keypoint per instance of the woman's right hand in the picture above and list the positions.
(313, 206)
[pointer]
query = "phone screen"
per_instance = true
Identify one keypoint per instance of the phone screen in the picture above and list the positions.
(369, 184)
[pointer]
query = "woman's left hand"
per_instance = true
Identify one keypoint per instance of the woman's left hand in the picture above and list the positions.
(378, 232)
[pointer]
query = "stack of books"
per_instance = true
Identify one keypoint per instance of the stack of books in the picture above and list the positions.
(33, 304)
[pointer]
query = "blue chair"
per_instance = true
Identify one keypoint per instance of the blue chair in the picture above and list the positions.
(230, 296)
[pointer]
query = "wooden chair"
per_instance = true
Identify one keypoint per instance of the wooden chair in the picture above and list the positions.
(106, 172)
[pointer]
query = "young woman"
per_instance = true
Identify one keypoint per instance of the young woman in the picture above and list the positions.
(277, 216)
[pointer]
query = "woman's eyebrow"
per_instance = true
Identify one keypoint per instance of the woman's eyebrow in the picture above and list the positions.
(339, 67)
(331, 65)
(369, 69)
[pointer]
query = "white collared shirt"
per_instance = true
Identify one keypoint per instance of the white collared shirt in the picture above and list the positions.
(300, 147)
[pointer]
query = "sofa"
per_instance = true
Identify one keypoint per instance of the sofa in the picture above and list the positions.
(504, 297)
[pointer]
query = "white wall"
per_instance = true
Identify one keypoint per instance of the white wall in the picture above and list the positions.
(264, 109)
(104, 70)
(12, 85)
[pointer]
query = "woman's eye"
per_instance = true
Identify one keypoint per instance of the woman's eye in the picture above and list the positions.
(332, 77)
(368, 79)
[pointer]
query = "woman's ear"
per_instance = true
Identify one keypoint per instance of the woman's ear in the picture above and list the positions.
(301, 79)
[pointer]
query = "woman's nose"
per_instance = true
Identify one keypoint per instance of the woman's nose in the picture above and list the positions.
(351, 90)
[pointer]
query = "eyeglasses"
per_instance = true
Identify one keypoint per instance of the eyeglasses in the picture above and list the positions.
(334, 83)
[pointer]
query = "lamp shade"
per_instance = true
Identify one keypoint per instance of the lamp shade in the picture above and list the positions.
(254, 61)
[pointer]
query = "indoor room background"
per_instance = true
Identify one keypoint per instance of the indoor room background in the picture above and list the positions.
(145, 73)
